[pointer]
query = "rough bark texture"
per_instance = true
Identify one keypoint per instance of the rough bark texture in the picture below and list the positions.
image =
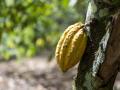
(101, 61)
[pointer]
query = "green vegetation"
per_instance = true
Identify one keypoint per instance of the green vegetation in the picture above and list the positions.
(28, 27)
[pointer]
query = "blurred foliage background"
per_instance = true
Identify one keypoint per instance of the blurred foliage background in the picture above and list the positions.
(30, 27)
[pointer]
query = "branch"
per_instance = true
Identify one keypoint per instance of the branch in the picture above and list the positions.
(100, 63)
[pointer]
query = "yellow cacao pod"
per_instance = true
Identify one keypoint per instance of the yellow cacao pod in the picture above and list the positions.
(71, 46)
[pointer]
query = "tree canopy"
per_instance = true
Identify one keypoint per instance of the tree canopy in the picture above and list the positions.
(30, 26)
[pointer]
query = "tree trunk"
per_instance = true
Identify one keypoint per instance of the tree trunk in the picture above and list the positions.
(101, 61)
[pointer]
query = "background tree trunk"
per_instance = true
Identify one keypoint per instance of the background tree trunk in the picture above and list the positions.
(101, 62)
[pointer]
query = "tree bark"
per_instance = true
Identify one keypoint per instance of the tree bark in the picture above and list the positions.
(101, 61)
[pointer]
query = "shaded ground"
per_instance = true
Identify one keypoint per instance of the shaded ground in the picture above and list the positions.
(36, 74)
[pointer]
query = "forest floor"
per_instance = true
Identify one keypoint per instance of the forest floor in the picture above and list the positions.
(37, 74)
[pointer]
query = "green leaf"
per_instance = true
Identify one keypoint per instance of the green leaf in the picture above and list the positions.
(10, 2)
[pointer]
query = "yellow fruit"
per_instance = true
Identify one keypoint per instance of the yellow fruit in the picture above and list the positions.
(40, 42)
(71, 46)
